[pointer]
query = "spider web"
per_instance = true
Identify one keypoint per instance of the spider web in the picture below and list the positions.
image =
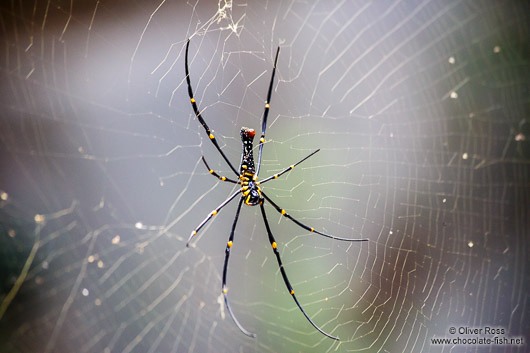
(419, 108)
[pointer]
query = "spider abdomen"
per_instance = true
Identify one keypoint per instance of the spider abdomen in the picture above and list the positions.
(249, 187)
(247, 167)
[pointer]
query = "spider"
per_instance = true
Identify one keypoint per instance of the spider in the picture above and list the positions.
(250, 192)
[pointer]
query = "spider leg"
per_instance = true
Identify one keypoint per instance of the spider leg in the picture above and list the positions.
(266, 112)
(302, 225)
(213, 213)
(222, 178)
(291, 167)
(284, 275)
(198, 113)
(225, 270)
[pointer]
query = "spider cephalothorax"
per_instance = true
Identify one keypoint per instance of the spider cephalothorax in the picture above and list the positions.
(251, 194)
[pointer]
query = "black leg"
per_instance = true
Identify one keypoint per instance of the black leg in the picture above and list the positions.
(225, 270)
(266, 112)
(284, 275)
(198, 113)
(222, 178)
(213, 213)
(300, 224)
(291, 167)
